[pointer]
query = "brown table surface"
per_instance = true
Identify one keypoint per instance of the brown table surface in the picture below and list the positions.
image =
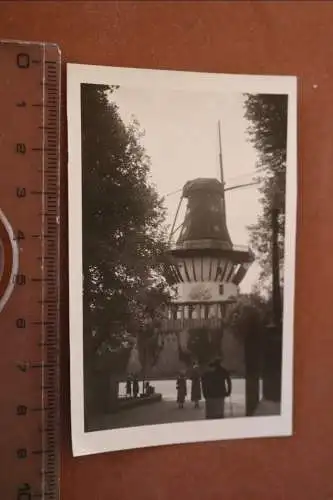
(237, 37)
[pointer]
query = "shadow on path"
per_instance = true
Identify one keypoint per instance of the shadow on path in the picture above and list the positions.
(160, 413)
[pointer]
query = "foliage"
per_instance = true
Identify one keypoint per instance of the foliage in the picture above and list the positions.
(248, 314)
(123, 231)
(267, 131)
(151, 304)
(204, 344)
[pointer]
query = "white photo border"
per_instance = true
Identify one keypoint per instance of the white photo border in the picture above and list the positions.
(84, 443)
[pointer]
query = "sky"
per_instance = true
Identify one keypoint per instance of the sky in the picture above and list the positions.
(181, 139)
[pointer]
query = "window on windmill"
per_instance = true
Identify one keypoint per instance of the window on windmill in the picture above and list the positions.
(221, 289)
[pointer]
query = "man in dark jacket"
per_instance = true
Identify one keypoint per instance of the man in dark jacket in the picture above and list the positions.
(216, 386)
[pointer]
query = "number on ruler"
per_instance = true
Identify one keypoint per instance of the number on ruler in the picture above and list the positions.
(23, 60)
(21, 192)
(20, 323)
(22, 453)
(21, 148)
(19, 235)
(24, 492)
(20, 279)
(23, 367)
(21, 410)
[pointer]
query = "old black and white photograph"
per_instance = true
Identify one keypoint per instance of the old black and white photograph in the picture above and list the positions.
(182, 228)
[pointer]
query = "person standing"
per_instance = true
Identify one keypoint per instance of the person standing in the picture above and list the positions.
(129, 386)
(216, 386)
(181, 390)
(135, 386)
(195, 386)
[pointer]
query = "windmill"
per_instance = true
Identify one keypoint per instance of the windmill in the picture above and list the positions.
(204, 264)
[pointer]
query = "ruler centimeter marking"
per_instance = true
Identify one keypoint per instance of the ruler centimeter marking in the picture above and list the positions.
(29, 197)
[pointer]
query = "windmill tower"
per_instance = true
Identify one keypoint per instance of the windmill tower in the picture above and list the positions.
(205, 266)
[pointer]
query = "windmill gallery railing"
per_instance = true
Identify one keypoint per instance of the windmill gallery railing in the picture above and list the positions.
(186, 316)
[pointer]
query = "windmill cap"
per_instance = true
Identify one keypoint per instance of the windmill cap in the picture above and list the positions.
(202, 184)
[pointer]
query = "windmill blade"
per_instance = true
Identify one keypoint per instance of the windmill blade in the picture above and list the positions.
(172, 193)
(239, 186)
(177, 228)
(175, 219)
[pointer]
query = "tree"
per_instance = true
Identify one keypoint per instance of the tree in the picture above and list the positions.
(267, 115)
(248, 314)
(268, 132)
(203, 345)
(151, 305)
(247, 317)
(123, 230)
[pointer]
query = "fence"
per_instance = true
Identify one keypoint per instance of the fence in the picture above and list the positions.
(178, 325)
